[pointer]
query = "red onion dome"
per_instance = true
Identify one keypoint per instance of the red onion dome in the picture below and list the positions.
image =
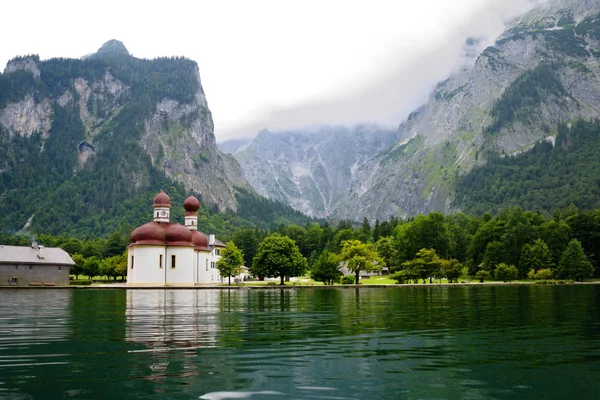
(191, 204)
(178, 235)
(150, 233)
(162, 200)
(200, 241)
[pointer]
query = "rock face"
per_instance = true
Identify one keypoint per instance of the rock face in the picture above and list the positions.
(93, 107)
(27, 116)
(310, 170)
(543, 70)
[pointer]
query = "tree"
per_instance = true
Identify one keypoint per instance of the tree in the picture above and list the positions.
(326, 269)
(247, 241)
(535, 256)
(495, 254)
(451, 269)
(108, 266)
(557, 236)
(574, 263)
(278, 256)
(231, 261)
(386, 248)
(91, 267)
(78, 268)
(115, 245)
(506, 273)
(121, 267)
(426, 264)
(482, 275)
(360, 256)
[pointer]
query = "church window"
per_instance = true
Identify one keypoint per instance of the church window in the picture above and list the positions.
(131, 262)
(173, 261)
(160, 261)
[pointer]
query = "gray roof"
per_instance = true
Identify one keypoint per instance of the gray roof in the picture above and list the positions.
(218, 243)
(29, 255)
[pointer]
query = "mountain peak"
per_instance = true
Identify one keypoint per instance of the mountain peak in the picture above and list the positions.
(112, 48)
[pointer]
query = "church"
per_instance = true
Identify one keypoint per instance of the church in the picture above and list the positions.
(163, 253)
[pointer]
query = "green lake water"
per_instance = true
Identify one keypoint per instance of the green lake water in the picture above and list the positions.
(475, 342)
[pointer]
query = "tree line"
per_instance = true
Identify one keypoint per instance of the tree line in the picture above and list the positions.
(524, 244)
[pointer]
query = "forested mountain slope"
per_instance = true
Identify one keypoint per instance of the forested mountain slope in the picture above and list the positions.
(554, 174)
(86, 143)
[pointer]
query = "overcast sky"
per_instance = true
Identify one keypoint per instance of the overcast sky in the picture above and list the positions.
(276, 64)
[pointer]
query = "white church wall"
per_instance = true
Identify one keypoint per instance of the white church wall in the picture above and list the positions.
(183, 271)
(145, 268)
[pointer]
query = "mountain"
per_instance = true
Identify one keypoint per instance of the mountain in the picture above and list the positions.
(311, 170)
(86, 143)
(544, 70)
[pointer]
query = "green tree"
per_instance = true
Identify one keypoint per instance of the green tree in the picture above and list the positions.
(115, 245)
(91, 267)
(451, 269)
(108, 266)
(231, 261)
(78, 268)
(364, 233)
(326, 269)
(360, 256)
(278, 256)
(557, 236)
(506, 273)
(426, 264)
(495, 254)
(121, 267)
(574, 263)
(482, 275)
(535, 256)
(247, 241)
(386, 248)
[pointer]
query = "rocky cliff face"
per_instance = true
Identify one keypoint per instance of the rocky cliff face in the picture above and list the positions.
(543, 70)
(139, 118)
(310, 170)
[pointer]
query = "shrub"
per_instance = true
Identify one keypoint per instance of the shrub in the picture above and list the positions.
(506, 273)
(400, 277)
(80, 283)
(348, 280)
(542, 274)
(545, 273)
(483, 275)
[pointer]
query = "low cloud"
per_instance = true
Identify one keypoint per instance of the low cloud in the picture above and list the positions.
(403, 83)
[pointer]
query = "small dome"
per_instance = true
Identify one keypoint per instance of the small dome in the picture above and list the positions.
(162, 200)
(178, 235)
(191, 204)
(150, 233)
(200, 241)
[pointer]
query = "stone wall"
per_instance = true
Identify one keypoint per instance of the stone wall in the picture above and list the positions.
(32, 275)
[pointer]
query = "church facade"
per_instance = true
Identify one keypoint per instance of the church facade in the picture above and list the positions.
(163, 253)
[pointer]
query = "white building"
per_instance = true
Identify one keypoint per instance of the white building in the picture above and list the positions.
(167, 253)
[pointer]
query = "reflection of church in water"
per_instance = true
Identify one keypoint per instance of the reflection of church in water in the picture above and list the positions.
(162, 252)
(175, 327)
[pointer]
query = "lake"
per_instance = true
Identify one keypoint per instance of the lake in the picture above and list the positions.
(471, 342)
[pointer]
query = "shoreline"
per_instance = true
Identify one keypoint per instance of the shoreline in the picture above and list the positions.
(118, 286)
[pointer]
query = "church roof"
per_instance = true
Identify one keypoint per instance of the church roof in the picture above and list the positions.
(30, 255)
(162, 200)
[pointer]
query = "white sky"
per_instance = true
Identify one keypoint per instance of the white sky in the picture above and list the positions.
(276, 64)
